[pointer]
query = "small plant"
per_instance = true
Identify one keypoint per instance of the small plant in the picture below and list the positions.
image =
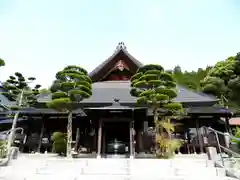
(167, 147)
(237, 135)
(59, 143)
(3, 149)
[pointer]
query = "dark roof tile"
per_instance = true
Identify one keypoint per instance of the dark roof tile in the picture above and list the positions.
(105, 92)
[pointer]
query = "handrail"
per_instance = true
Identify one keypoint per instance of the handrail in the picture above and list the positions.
(218, 143)
(229, 150)
(219, 146)
(221, 133)
(15, 129)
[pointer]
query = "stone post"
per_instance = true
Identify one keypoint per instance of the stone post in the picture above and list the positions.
(227, 139)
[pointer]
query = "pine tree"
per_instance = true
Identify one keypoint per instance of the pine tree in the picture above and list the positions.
(156, 88)
(18, 90)
(71, 86)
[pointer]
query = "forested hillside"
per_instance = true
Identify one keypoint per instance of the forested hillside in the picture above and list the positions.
(190, 79)
(222, 80)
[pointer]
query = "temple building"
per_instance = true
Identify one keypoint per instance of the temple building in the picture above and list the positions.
(110, 115)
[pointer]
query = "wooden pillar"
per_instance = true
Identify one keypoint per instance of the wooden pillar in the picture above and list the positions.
(99, 148)
(94, 136)
(139, 140)
(40, 138)
(77, 139)
(199, 136)
(103, 142)
(140, 137)
(131, 138)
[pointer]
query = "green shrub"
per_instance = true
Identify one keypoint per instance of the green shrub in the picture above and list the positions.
(237, 135)
(59, 143)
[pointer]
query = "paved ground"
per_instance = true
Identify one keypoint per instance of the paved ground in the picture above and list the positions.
(41, 167)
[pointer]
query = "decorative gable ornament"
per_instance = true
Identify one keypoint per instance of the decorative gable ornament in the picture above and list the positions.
(120, 65)
(121, 45)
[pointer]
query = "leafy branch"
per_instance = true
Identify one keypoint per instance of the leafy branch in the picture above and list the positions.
(17, 86)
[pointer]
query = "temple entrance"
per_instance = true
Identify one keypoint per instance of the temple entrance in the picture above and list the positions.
(116, 138)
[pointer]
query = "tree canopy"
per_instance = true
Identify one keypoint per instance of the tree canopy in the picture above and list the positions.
(17, 84)
(223, 80)
(2, 62)
(71, 86)
(155, 87)
(44, 91)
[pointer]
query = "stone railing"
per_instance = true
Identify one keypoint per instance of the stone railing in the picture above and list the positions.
(12, 155)
(231, 164)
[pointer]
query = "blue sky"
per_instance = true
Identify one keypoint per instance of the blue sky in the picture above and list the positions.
(40, 37)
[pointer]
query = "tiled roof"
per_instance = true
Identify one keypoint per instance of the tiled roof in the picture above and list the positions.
(105, 92)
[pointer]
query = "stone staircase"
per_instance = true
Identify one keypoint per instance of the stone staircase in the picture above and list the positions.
(49, 167)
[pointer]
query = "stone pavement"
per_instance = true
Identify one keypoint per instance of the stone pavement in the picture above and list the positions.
(43, 167)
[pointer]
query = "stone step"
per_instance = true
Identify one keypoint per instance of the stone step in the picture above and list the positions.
(114, 170)
(173, 163)
(5, 170)
(49, 168)
(204, 172)
(120, 177)
(173, 178)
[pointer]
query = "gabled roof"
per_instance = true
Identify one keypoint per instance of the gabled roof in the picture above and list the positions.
(121, 49)
(105, 92)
